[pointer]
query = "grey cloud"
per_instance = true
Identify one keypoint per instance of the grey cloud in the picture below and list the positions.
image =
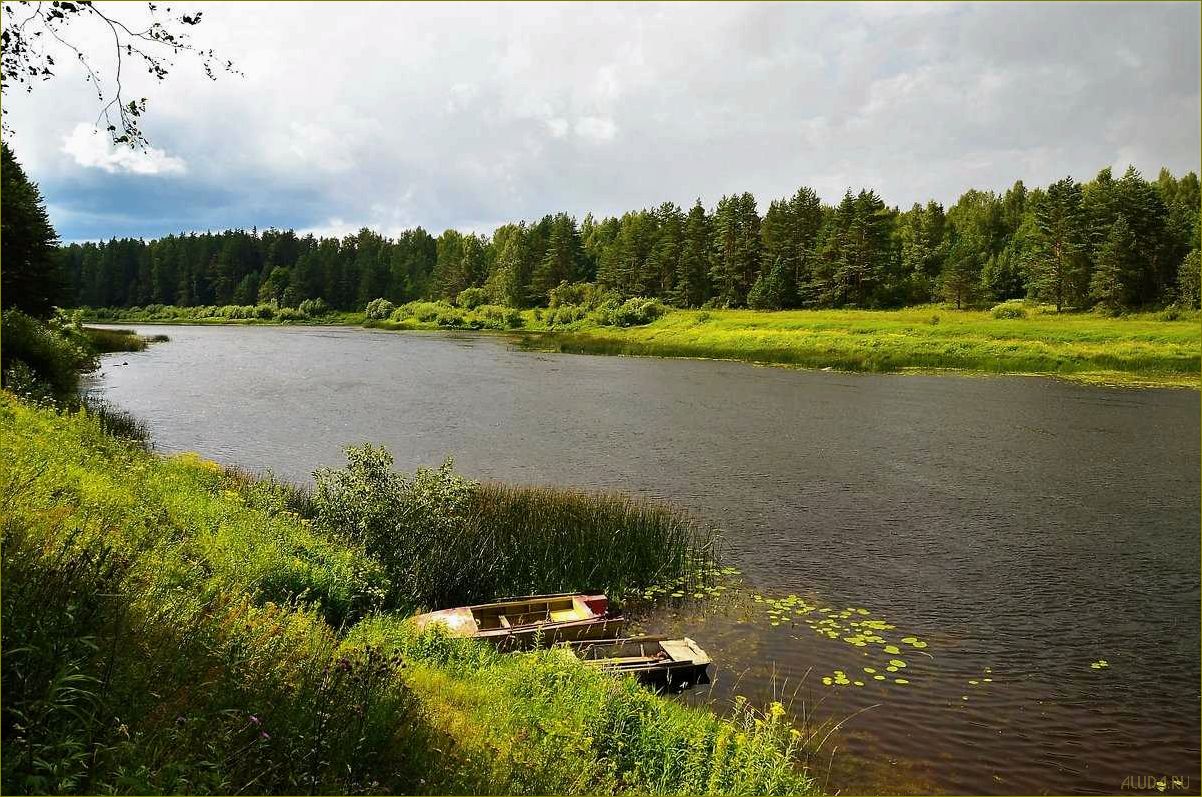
(459, 115)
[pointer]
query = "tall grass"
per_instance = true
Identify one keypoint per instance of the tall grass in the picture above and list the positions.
(444, 540)
(142, 654)
(545, 723)
(109, 340)
(171, 627)
(545, 539)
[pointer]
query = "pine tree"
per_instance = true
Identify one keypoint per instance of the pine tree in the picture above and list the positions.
(1059, 264)
(736, 249)
(563, 259)
(31, 279)
(693, 268)
(1109, 283)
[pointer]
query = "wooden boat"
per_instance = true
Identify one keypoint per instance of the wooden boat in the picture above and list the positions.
(532, 620)
(656, 661)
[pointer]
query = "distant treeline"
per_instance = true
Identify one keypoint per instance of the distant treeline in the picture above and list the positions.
(1116, 243)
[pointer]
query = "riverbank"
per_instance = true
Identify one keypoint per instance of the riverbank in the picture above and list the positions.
(1139, 350)
(173, 626)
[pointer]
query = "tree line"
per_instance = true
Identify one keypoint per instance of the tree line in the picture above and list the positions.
(1115, 243)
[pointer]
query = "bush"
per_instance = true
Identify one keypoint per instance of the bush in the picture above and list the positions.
(450, 317)
(264, 311)
(314, 308)
(586, 294)
(379, 309)
(566, 314)
(43, 359)
(1009, 310)
(637, 310)
(495, 316)
(289, 314)
(471, 298)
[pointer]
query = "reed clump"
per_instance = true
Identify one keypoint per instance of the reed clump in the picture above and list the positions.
(104, 340)
(445, 540)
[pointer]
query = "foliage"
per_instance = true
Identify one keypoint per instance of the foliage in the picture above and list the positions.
(986, 248)
(44, 359)
(635, 311)
(32, 279)
(471, 298)
(1189, 279)
(444, 540)
(35, 32)
(379, 309)
(162, 635)
(313, 308)
(1010, 310)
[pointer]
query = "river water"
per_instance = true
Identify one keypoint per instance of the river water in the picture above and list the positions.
(1024, 530)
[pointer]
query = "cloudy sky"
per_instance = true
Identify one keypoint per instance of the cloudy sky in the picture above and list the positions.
(468, 116)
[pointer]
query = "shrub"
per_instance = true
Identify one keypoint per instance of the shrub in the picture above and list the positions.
(637, 310)
(379, 309)
(586, 294)
(450, 317)
(263, 311)
(1009, 310)
(494, 316)
(314, 308)
(289, 314)
(43, 359)
(565, 314)
(471, 298)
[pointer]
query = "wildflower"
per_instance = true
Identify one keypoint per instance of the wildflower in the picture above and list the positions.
(254, 720)
(264, 735)
(777, 710)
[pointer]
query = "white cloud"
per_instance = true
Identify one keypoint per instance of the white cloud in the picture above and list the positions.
(93, 149)
(595, 128)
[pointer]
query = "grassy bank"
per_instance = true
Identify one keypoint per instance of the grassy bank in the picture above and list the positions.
(1135, 350)
(1149, 349)
(173, 627)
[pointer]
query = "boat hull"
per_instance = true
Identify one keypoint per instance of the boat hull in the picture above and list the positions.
(533, 621)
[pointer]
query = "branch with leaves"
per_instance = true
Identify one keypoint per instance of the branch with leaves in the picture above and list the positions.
(36, 35)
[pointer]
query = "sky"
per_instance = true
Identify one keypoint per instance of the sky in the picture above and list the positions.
(469, 116)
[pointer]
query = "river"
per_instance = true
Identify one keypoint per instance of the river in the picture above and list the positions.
(1041, 538)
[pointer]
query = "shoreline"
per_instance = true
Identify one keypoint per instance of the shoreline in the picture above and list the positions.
(1069, 347)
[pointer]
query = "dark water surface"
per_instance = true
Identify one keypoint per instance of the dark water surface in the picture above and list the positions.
(1023, 528)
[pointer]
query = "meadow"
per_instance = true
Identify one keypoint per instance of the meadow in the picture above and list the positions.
(1149, 349)
(1159, 349)
(171, 626)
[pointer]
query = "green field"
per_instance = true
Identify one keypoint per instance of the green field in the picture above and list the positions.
(1132, 350)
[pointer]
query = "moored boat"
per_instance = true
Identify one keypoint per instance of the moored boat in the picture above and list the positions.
(656, 661)
(532, 620)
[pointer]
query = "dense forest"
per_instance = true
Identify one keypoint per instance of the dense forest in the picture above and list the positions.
(1113, 243)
